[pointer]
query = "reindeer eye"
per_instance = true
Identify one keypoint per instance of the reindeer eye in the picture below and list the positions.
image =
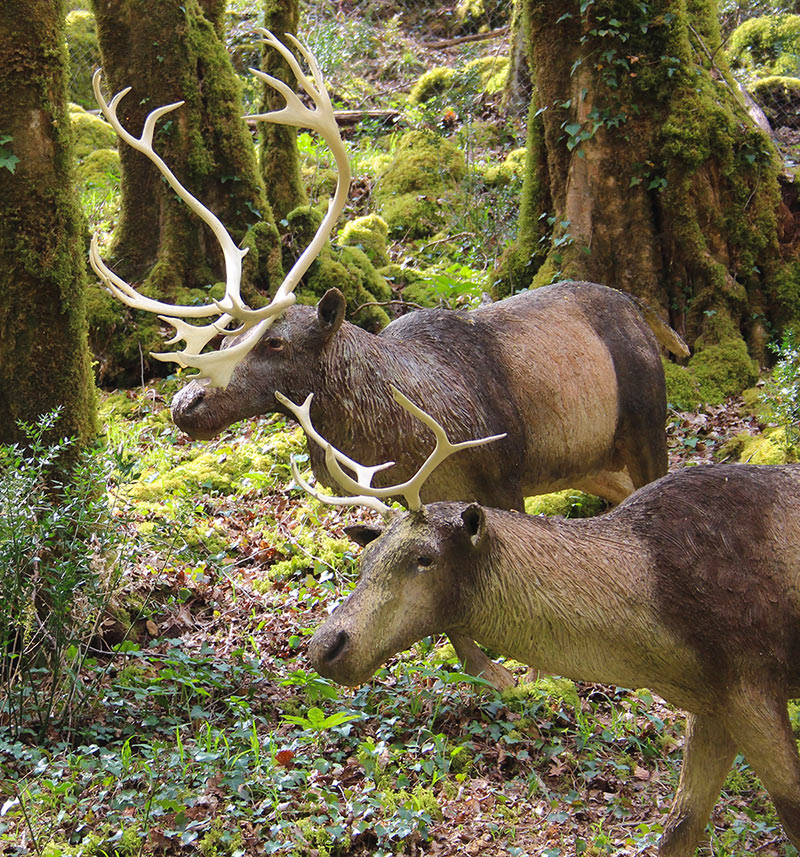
(424, 561)
(275, 343)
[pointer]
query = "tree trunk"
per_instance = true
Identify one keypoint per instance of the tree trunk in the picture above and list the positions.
(44, 358)
(280, 159)
(172, 51)
(645, 170)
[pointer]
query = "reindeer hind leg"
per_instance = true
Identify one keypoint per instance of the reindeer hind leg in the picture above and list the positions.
(759, 723)
(707, 757)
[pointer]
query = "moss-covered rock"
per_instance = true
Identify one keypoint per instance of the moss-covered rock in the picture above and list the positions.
(712, 375)
(769, 45)
(346, 268)
(779, 98)
(482, 15)
(767, 448)
(84, 55)
(99, 169)
(420, 185)
(433, 82)
(368, 233)
(89, 133)
(486, 74)
(511, 169)
(566, 504)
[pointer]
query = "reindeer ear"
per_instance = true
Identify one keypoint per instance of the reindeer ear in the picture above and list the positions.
(474, 520)
(363, 534)
(330, 310)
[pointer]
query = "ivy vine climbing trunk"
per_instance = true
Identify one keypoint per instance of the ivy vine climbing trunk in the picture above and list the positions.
(645, 171)
(44, 358)
(173, 51)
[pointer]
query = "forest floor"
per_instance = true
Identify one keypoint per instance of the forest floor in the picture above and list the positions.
(197, 726)
(191, 723)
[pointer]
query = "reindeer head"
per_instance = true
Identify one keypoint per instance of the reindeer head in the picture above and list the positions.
(240, 326)
(409, 585)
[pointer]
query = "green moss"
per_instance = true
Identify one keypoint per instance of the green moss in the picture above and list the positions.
(779, 98)
(767, 448)
(435, 81)
(84, 55)
(100, 169)
(769, 45)
(723, 370)
(415, 192)
(223, 470)
(489, 73)
(566, 504)
(682, 388)
(89, 133)
(713, 373)
(347, 268)
(481, 15)
(219, 842)
(368, 233)
(511, 169)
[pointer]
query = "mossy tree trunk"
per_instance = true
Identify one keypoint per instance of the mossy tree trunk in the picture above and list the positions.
(645, 171)
(171, 51)
(280, 159)
(44, 358)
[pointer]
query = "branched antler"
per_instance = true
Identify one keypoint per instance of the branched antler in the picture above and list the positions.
(336, 460)
(249, 324)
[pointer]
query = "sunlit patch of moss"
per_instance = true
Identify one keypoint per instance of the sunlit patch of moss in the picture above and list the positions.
(99, 169)
(491, 73)
(767, 45)
(567, 504)
(512, 168)
(89, 133)
(223, 469)
(413, 193)
(369, 233)
(433, 82)
(419, 799)
(552, 688)
(712, 375)
(770, 447)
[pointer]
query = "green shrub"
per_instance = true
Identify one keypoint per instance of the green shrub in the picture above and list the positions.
(54, 524)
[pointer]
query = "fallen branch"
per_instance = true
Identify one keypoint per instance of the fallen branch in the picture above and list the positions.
(460, 40)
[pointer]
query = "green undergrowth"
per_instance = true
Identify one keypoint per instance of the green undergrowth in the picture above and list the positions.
(201, 728)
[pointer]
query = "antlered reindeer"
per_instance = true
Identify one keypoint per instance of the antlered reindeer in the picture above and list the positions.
(690, 587)
(571, 373)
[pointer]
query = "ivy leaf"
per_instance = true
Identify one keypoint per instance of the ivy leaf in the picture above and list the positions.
(8, 160)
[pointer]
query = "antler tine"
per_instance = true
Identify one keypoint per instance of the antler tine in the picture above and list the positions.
(218, 366)
(323, 121)
(361, 500)
(409, 489)
(231, 253)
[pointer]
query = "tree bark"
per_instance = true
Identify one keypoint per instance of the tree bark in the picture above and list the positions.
(280, 159)
(44, 358)
(173, 51)
(645, 171)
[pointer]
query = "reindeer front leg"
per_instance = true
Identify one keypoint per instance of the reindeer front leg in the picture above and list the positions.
(476, 662)
(707, 758)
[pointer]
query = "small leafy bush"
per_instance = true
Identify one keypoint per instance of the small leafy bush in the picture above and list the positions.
(54, 524)
(782, 391)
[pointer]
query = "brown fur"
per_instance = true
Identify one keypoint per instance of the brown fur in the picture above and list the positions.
(571, 373)
(690, 587)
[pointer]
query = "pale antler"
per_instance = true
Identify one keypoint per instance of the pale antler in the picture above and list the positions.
(218, 366)
(334, 459)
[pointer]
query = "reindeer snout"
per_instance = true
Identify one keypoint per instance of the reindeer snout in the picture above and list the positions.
(328, 646)
(187, 399)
